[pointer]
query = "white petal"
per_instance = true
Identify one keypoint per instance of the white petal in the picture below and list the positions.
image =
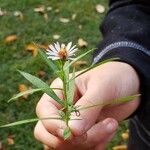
(68, 46)
(73, 47)
(52, 48)
(73, 51)
(70, 58)
(57, 46)
(52, 53)
(53, 57)
(62, 45)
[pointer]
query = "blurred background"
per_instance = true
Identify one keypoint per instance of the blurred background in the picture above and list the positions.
(23, 22)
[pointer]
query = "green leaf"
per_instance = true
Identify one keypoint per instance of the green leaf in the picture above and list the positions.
(113, 102)
(67, 133)
(95, 65)
(26, 121)
(31, 91)
(71, 88)
(50, 62)
(80, 56)
(40, 84)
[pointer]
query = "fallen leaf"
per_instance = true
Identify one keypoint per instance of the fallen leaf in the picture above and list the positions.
(80, 63)
(2, 13)
(10, 38)
(74, 16)
(40, 9)
(120, 147)
(56, 36)
(46, 147)
(49, 8)
(57, 10)
(125, 136)
(100, 8)
(10, 140)
(80, 27)
(32, 48)
(64, 20)
(41, 73)
(18, 14)
(82, 43)
(23, 88)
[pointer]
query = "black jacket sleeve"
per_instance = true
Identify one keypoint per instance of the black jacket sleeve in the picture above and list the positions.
(126, 34)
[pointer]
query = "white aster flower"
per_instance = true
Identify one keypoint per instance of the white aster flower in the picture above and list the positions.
(64, 52)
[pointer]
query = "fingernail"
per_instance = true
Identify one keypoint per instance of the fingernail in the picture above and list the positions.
(111, 127)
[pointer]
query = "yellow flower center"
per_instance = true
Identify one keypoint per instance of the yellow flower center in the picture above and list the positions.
(62, 53)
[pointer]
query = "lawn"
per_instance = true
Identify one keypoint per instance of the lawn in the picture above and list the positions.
(29, 26)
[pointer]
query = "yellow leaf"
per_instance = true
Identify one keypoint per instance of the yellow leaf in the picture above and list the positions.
(11, 38)
(46, 17)
(125, 136)
(19, 14)
(120, 147)
(40, 9)
(23, 88)
(82, 43)
(64, 20)
(10, 140)
(32, 48)
(74, 16)
(100, 8)
(2, 13)
(80, 63)
(56, 36)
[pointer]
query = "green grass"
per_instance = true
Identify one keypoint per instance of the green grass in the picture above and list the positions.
(13, 56)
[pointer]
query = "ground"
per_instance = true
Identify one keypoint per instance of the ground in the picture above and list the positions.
(30, 26)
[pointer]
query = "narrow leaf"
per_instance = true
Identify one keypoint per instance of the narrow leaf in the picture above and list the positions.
(40, 84)
(115, 101)
(71, 88)
(31, 91)
(26, 121)
(95, 65)
(49, 62)
(80, 56)
(67, 133)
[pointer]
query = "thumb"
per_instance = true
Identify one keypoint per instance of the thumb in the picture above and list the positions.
(88, 116)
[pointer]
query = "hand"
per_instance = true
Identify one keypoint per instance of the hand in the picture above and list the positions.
(101, 84)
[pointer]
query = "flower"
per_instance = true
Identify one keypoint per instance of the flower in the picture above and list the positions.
(63, 52)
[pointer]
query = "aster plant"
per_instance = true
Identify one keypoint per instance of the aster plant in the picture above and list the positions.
(60, 58)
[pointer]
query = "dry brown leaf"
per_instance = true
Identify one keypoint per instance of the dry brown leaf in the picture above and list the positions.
(40, 9)
(100, 8)
(80, 63)
(10, 140)
(82, 43)
(46, 147)
(125, 136)
(10, 39)
(120, 147)
(41, 73)
(56, 36)
(19, 14)
(32, 48)
(64, 20)
(23, 88)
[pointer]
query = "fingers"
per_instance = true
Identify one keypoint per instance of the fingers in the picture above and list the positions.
(45, 137)
(101, 132)
(88, 116)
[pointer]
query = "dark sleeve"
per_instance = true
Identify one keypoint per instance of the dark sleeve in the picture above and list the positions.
(126, 34)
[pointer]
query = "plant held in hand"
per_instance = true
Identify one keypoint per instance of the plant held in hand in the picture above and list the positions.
(60, 58)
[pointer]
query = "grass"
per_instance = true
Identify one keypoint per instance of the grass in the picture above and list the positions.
(13, 56)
